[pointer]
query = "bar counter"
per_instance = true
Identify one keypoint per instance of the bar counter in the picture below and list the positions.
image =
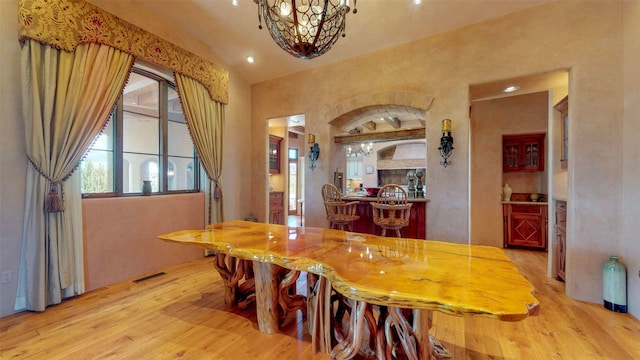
(417, 228)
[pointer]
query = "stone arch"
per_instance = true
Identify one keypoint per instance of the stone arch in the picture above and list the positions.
(411, 100)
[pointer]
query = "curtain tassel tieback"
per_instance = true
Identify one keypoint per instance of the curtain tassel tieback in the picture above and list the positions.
(53, 202)
(217, 192)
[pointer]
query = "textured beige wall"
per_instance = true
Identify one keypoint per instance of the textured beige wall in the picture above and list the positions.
(492, 119)
(120, 235)
(585, 37)
(237, 161)
(631, 125)
(13, 160)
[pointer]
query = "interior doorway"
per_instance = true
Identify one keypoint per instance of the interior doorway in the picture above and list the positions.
(296, 171)
(286, 183)
(495, 111)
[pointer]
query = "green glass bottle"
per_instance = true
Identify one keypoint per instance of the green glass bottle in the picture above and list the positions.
(614, 278)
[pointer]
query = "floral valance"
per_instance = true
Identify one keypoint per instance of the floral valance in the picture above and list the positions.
(65, 24)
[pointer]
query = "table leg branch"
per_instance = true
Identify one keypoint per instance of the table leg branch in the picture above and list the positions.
(390, 339)
(319, 311)
(237, 277)
(288, 300)
(267, 310)
(383, 350)
(404, 331)
(370, 318)
(422, 320)
(246, 293)
(350, 347)
(340, 307)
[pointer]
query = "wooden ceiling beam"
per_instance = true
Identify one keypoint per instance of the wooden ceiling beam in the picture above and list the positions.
(405, 134)
(370, 125)
(393, 121)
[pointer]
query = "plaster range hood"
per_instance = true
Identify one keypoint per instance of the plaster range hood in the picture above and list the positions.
(402, 156)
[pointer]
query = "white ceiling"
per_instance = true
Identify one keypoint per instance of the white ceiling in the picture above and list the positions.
(233, 34)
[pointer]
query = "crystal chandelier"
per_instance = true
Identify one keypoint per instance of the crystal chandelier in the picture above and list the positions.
(364, 150)
(304, 28)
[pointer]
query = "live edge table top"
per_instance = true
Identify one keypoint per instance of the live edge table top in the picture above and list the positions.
(463, 280)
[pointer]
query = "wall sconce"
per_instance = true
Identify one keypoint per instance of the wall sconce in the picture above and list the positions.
(314, 151)
(446, 143)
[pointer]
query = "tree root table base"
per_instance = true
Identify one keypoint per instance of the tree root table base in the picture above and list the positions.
(338, 325)
(345, 328)
(368, 296)
(272, 287)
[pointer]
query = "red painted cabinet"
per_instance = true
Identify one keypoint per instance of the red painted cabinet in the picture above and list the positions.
(525, 226)
(417, 228)
(523, 152)
(276, 207)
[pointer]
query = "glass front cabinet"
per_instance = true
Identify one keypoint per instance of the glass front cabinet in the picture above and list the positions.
(523, 152)
(274, 154)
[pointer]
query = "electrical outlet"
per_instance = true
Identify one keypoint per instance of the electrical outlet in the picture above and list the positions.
(6, 277)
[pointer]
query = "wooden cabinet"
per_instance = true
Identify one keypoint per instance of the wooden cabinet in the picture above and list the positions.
(525, 225)
(274, 154)
(276, 207)
(523, 152)
(560, 228)
(563, 108)
(354, 167)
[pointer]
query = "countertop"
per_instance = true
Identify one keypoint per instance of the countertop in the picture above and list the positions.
(373, 198)
(526, 202)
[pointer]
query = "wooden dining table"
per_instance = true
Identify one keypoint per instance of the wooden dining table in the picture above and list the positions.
(365, 294)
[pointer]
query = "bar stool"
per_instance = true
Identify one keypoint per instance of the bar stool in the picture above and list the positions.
(391, 210)
(339, 212)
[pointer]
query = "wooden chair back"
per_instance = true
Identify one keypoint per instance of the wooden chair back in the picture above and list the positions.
(339, 212)
(391, 210)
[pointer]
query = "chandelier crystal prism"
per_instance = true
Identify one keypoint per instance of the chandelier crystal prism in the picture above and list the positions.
(305, 28)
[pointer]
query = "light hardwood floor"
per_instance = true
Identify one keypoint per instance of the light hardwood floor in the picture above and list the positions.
(182, 315)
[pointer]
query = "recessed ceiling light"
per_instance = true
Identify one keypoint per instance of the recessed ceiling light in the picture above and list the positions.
(250, 59)
(417, 2)
(234, 2)
(511, 88)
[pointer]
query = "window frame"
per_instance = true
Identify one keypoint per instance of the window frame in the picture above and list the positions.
(117, 115)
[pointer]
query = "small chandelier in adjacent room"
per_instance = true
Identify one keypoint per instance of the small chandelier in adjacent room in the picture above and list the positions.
(304, 28)
(363, 150)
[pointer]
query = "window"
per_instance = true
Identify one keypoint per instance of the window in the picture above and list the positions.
(146, 138)
(293, 181)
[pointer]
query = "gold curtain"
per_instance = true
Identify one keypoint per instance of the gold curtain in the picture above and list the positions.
(67, 98)
(205, 120)
(65, 24)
